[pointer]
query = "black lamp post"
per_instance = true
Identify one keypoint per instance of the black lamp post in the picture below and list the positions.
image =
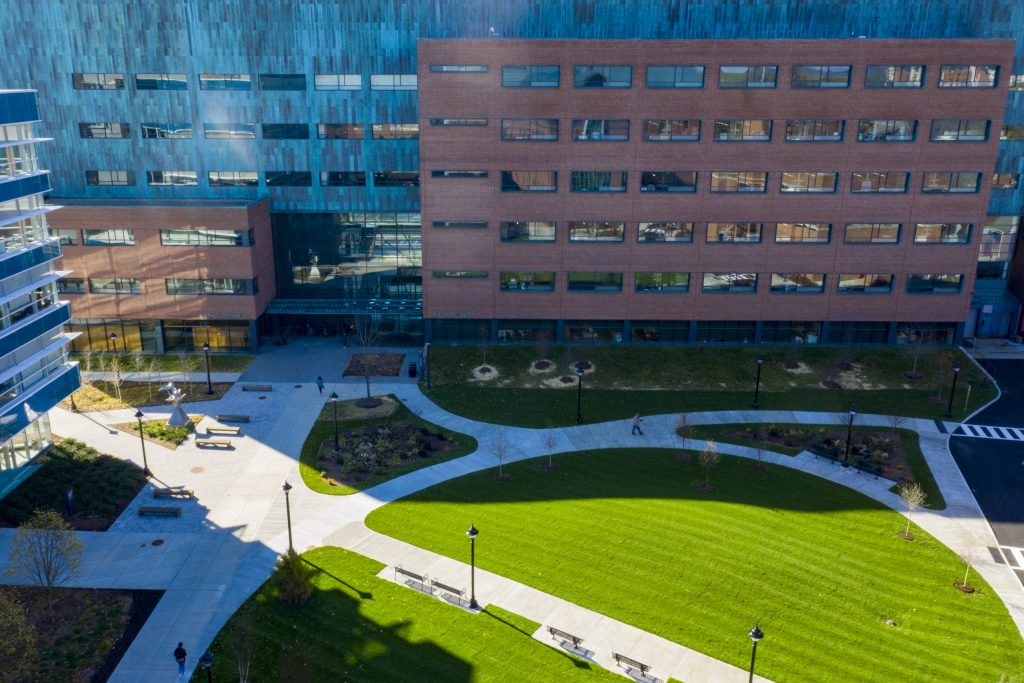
(956, 375)
(472, 532)
(142, 441)
(757, 383)
(849, 433)
(579, 395)
(755, 635)
(206, 661)
(113, 342)
(209, 384)
(334, 404)
(288, 511)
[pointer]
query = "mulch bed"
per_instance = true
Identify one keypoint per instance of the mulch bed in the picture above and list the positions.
(374, 451)
(382, 364)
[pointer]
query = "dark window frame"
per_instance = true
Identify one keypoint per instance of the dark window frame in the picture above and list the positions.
(677, 69)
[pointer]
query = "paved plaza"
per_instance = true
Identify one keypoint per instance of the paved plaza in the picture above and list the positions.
(226, 542)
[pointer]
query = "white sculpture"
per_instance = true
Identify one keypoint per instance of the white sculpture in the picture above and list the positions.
(178, 416)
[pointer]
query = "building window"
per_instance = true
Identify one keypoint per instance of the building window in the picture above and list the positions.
(600, 130)
(682, 76)
(1012, 132)
(934, 283)
(104, 130)
(233, 178)
(109, 237)
(115, 285)
(602, 76)
(762, 76)
(598, 181)
(156, 178)
(396, 179)
(519, 281)
(725, 331)
(288, 178)
(663, 282)
(803, 233)
(739, 181)
(808, 181)
(873, 233)
(998, 240)
(71, 285)
(943, 233)
(595, 282)
(1016, 82)
(596, 231)
(282, 81)
(814, 130)
(461, 225)
(894, 182)
(737, 283)
(790, 283)
(951, 181)
(395, 131)
(458, 174)
(886, 130)
(225, 82)
(110, 177)
(167, 131)
(1005, 181)
(529, 129)
(337, 82)
(668, 181)
(814, 76)
(458, 68)
(894, 76)
(960, 130)
(528, 231)
(671, 130)
(665, 232)
(458, 122)
(743, 130)
(341, 131)
(735, 232)
(790, 332)
(205, 237)
(530, 76)
(342, 179)
(865, 283)
(98, 81)
(211, 286)
(67, 237)
(392, 81)
(529, 181)
(969, 76)
(161, 82)
(229, 131)
(285, 131)
(470, 274)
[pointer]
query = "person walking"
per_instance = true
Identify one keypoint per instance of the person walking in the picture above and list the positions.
(320, 384)
(636, 425)
(179, 657)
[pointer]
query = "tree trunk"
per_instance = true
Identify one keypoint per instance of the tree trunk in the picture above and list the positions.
(367, 377)
(907, 532)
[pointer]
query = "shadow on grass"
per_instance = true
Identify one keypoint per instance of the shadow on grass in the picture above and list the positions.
(363, 595)
(576, 661)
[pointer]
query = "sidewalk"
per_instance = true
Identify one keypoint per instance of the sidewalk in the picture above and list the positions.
(165, 377)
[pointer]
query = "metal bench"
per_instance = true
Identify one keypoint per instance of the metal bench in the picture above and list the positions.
(630, 662)
(257, 387)
(173, 493)
(559, 633)
(458, 593)
(423, 579)
(232, 418)
(215, 443)
(161, 511)
(226, 430)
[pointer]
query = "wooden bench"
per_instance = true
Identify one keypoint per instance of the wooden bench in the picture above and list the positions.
(423, 579)
(458, 594)
(161, 511)
(173, 493)
(225, 430)
(257, 387)
(629, 661)
(215, 443)
(232, 418)
(559, 633)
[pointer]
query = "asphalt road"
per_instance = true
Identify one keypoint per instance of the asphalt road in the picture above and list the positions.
(995, 469)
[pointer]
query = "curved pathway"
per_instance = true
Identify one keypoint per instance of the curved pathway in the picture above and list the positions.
(225, 544)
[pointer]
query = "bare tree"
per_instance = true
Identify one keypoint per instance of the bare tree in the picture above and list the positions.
(913, 497)
(759, 465)
(709, 457)
(485, 336)
(117, 376)
(367, 336)
(549, 443)
(241, 643)
(968, 559)
(683, 427)
(897, 421)
(541, 344)
(916, 338)
(500, 446)
(46, 551)
(137, 361)
(150, 372)
(184, 362)
(86, 367)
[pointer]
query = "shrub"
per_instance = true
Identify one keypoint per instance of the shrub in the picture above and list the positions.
(293, 578)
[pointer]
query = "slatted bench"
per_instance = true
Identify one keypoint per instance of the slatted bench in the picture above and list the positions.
(257, 387)
(213, 443)
(173, 493)
(458, 593)
(423, 579)
(630, 662)
(160, 511)
(232, 418)
(225, 430)
(559, 633)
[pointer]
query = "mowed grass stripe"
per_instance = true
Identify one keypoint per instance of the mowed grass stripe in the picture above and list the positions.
(627, 533)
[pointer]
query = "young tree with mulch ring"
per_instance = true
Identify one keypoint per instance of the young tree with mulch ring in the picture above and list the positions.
(500, 446)
(709, 457)
(913, 497)
(549, 444)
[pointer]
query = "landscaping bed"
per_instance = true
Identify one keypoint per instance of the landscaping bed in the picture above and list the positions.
(379, 364)
(161, 433)
(103, 395)
(166, 362)
(103, 486)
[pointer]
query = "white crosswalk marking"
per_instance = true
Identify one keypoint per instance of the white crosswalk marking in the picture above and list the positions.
(989, 432)
(1014, 556)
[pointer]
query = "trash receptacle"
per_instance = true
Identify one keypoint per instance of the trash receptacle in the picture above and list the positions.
(412, 369)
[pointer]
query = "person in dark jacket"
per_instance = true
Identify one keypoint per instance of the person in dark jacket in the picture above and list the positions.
(179, 657)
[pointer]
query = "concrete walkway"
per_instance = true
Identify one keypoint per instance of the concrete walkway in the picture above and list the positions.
(164, 377)
(225, 544)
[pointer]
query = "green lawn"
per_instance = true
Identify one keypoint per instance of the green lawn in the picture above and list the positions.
(922, 474)
(820, 567)
(674, 379)
(323, 428)
(357, 627)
